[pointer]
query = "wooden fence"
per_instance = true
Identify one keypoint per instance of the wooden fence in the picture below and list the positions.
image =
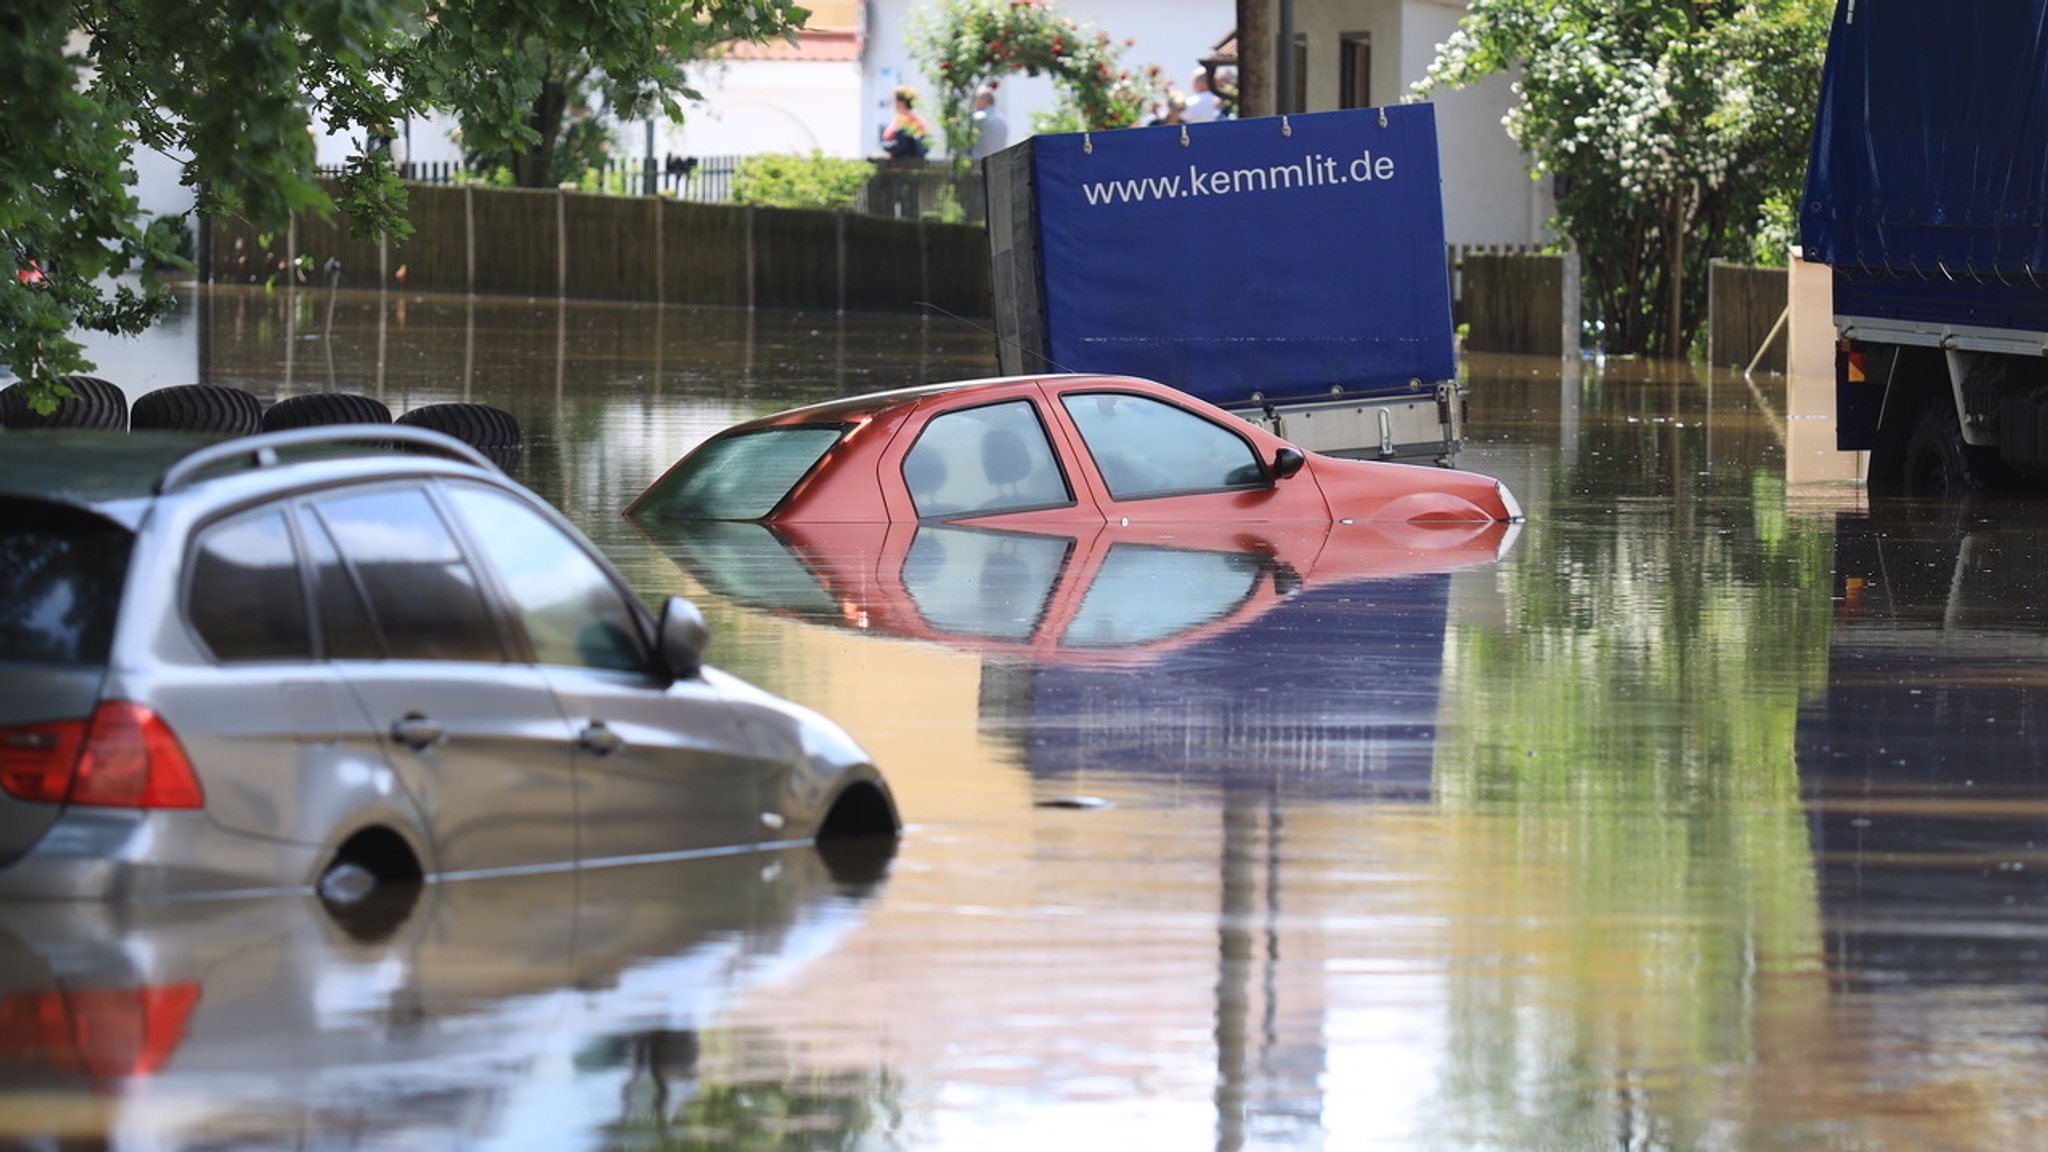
(1744, 307)
(1522, 302)
(565, 244)
(468, 238)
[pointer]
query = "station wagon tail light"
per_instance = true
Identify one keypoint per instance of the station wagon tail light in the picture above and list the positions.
(124, 756)
(108, 1034)
(36, 760)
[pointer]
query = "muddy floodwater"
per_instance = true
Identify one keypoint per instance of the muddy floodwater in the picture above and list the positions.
(1705, 810)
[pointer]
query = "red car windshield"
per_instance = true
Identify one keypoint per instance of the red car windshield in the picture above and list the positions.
(737, 477)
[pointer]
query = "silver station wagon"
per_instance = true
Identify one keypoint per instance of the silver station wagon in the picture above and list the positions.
(347, 657)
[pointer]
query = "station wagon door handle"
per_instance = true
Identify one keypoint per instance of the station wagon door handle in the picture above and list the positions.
(417, 732)
(600, 740)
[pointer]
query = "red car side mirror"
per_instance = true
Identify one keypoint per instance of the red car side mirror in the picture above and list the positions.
(1287, 461)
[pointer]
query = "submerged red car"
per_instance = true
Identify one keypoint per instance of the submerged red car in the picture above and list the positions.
(1040, 451)
(1085, 595)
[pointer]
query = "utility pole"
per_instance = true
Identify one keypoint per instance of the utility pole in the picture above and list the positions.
(1257, 30)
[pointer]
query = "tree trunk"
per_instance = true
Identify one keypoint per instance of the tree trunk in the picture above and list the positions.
(1674, 258)
(1257, 26)
(533, 168)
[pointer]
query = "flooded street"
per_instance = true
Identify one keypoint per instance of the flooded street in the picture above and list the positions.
(1701, 811)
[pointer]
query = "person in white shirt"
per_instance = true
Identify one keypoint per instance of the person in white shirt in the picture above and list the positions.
(1203, 105)
(991, 131)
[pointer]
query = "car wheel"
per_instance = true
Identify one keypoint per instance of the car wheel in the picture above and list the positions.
(198, 408)
(346, 883)
(93, 403)
(320, 408)
(370, 910)
(372, 885)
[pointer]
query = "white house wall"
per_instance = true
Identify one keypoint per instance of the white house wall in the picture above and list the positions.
(1488, 196)
(1174, 34)
(756, 106)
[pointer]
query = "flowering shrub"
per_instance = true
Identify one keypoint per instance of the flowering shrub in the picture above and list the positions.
(780, 180)
(1676, 132)
(966, 43)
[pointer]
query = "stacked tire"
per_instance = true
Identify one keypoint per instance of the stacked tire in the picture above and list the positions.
(92, 403)
(491, 431)
(198, 408)
(316, 409)
(229, 411)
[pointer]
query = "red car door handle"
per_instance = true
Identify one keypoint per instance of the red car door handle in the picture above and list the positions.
(417, 732)
(598, 739)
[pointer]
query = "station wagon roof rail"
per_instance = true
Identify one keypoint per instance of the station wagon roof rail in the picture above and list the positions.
(263, 450)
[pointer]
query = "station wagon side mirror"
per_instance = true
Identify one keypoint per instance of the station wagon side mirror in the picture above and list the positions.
(1287, 461)
(683, 637)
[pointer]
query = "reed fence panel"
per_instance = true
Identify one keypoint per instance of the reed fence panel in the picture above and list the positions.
(1744, 304)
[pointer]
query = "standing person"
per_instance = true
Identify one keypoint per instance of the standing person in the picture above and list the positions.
(1203, 105)
(991, 131)
(907, 137)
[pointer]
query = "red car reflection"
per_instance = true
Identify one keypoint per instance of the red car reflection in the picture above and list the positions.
(1102, 595)
(1043, 451)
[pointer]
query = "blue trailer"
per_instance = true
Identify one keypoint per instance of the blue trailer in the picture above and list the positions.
(1289, 268)
(1927, 196)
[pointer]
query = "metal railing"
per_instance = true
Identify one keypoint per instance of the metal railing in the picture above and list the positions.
(903, 190)
(707, 179)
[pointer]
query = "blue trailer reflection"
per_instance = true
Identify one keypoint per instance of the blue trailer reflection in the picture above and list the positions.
(1925, 767)
(1289, 658)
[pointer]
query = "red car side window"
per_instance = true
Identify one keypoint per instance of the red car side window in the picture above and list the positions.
(1144, 447)
(978, 461)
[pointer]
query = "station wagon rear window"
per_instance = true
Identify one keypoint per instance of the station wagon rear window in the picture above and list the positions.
(61, 573)
(738, 477)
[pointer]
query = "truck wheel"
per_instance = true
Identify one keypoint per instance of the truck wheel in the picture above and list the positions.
(1937, 461)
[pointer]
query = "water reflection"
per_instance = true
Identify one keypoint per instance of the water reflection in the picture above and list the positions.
(1255, 653)
(1704, 817)
(539, 1010)
(1925, 764)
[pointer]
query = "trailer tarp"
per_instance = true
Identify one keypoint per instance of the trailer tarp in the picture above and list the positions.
(1930, 152)
(1280, 257)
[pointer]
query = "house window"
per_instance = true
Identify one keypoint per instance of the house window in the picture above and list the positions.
(1354, 70)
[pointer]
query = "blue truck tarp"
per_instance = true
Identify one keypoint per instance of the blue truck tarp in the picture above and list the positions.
(1927, 190)
(1256, 260)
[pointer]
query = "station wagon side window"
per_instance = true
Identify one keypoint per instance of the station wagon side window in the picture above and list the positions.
(1147, 447)
(347, 631)
(979, 461)
(245, 599)
(424, 597)
(573, 612)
